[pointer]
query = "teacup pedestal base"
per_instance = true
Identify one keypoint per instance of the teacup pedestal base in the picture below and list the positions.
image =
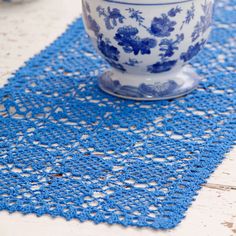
(152, 87)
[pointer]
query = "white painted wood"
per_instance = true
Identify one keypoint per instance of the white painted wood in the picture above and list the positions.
(28, 28)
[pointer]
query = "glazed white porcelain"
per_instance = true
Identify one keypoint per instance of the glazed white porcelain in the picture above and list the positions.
(148, 44)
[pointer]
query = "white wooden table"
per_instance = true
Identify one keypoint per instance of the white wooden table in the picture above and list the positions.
(28, 28)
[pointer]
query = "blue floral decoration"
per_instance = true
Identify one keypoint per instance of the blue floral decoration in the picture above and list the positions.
(111, 53)
(174, 11)
(116, 65)
(89, 21)
(111, 16)
(158, 89)
(160, 67)
(168, 46)
(132, 62)
(127, 38)
(107, 49)
(92, 25)
(193, 50)
(189, 16)
(162, 26)
(136, 15)
(166, 89)
(205, 21)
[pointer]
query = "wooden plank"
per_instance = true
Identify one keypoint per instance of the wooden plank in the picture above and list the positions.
(225, 174)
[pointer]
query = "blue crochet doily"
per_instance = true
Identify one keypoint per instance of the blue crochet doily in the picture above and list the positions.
(68, 149)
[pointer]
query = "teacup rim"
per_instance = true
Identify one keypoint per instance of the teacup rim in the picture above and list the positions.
(148, 2)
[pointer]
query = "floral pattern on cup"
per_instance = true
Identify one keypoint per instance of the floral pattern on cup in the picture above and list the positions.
(111, 16)
(205, 21)
(162, 26)
(166, 89)
(148, 42)
(90, 22)
(160, 67)
(193, 50)
(128, 38)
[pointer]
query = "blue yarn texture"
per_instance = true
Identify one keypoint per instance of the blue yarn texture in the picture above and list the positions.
(68, 149)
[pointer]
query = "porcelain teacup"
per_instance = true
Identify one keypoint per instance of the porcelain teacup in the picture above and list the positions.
(148, 44)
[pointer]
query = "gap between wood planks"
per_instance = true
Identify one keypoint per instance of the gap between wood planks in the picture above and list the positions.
(222, 187)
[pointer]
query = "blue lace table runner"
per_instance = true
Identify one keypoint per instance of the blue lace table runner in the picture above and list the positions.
(68, 149)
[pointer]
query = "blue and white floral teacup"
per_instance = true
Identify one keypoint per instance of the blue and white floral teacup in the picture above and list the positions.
(148, 44)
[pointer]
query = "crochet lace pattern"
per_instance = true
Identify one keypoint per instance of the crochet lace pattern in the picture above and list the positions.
(68, 149)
